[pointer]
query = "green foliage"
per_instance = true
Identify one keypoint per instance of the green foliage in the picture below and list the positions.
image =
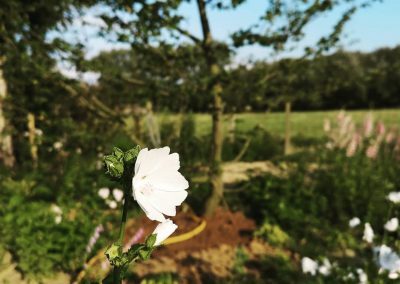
(273, 234)
(323, 191)
(240, 260)
(34, 237)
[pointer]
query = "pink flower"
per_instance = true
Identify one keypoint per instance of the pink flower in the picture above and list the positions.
(380, 128)
(368, 125)
(390, 137)
(372, 151)
(93, 239)
(352, 147)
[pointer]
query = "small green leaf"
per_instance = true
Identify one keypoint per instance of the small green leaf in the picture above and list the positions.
(113, 254)
(115, 167)
(131, 154)
(151, 240)
(118, 153)
(144, 254)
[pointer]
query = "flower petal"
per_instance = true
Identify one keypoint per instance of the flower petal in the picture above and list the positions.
(149, 160)
(139, 159)
(166, 201)
(164, 230)
(144, 203)
(168, 180)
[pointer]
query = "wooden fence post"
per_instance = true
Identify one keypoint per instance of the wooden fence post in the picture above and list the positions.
(288, 147)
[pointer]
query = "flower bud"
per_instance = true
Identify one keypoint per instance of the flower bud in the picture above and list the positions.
(113, 254)
(115, 166)
(131, 154)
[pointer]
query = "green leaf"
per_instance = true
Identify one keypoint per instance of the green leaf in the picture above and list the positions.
(144, 254)
(115, 167)
(118, 153)
(131, 154)
(151, 240)
(113, 254)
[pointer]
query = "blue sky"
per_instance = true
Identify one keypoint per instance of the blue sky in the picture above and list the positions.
(369, 29)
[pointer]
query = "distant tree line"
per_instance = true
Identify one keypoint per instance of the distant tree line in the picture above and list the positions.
(175, 79)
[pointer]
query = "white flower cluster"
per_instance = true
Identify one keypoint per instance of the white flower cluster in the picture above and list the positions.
(386, 258)
(57, 212)
(159, 187)
(388, 261)
(312, 267)
(117, 194)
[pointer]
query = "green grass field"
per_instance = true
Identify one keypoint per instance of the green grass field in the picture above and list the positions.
(308, 124)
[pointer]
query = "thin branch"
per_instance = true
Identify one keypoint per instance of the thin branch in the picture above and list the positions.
(188, 34)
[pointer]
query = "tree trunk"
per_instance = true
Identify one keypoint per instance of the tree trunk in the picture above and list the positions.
(6, 149)
(32, 139)
(288, 147)
(217, 186)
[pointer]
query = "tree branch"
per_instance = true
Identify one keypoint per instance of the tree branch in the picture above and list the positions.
(188, 34)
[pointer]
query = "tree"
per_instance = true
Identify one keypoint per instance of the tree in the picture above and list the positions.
(146, 23)
(26, 59)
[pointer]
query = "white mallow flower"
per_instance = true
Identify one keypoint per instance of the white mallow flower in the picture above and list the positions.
(354, 222)
(118, 194)
(112, 204)
(164, 230)
(368, 233)
(394, 196)
(158, 186)
(362, 276)
(309, 266)
(58, 212)
(57, 145)
(56, 209)
(389, 260)
(392, 225)
(325, 268)
(104, 192)
(58, 219)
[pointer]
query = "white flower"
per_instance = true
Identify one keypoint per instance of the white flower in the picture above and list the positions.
(368, 233)
(58, 212)
(164, 230)
(38, 132)
(362, 276)
(389, 260)
(58, 219)
(104, 192)
(58, 145)
(112, 204)
(56, 209)
(394, 197)
(325, 268)
(354, 222)
(158, 186)
(392, 225)
(309, 266)
(118, 194)
(393, 275)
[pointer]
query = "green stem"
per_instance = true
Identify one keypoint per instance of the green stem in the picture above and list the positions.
(117, 270)
(123, 222)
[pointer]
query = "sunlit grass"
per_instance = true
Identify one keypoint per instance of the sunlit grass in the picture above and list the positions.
(308, 124)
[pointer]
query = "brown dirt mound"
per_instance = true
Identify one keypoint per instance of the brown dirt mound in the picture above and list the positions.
(225, 227)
